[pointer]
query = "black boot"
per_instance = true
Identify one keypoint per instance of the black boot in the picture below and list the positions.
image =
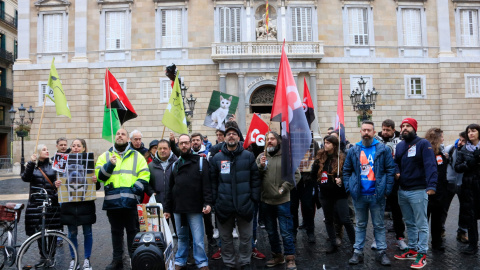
(332, 248)
(115, 265)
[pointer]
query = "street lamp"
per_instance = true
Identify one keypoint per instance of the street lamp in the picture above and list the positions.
(363, 100)
(23, 126)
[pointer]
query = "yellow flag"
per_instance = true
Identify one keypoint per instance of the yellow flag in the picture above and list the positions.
(174, 115)
(58, 95)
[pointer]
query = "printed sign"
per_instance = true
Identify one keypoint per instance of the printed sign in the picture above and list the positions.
(221, 107)
(60, 162)
(77, 183)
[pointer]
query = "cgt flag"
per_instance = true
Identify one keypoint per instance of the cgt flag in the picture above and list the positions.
(308, 104)
(287, 109)
(256, 132)
(174, 115)
(59, 98)
(339, 119)
(116, 98)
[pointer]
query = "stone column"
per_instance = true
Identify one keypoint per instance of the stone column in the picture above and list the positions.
(443, 22)
(23, 32)
(80, 31)
(241, 111)
(313, 92)
(223, 82)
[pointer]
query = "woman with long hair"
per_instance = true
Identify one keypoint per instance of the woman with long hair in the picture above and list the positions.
(333, 197)
(80, 213)
(436, 202)
(39, 173)
(468, 163)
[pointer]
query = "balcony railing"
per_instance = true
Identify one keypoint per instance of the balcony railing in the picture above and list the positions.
(6, 56)
(242, 50)
(10, 20)
(6, 92)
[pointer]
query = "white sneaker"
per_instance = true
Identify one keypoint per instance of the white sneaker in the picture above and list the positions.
(72, 263)
(215, 233)
(235, 234)
(86, 265)
(374, 245)
(401, 244)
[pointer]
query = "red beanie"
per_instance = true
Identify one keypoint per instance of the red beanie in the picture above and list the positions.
(412, 122)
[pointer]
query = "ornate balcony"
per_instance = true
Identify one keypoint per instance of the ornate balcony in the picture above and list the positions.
(266, 50)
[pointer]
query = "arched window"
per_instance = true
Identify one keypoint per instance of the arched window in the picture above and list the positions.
(261, 100)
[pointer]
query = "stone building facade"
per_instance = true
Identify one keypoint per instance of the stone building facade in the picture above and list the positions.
(421, 56)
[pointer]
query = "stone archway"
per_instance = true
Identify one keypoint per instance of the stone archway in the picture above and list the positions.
(261, 99)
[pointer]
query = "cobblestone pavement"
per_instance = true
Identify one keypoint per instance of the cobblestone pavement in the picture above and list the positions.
(309, 256)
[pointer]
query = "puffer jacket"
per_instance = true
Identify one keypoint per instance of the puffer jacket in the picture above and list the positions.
(235, 183)
(272, 181)
(33, 214)
(383, 167)
(79, 213)
(470, 188)
(159, 178)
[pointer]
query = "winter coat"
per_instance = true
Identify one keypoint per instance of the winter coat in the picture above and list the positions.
(328, 187)
(142, 150)
(79, 213)
(442, 183)
(383, 167)
(418, 171)
(452, 176)
(470, 190)
(189, 189)
(235, 183)
(33, 214)
(208, 145)
(272, 181)
(159, 178)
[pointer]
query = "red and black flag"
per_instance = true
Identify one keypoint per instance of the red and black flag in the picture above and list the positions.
(340, 120)
(308, 104)
(115, 98)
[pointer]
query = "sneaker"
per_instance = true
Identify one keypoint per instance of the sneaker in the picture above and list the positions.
(215, 233)
(420, 261)
(174, 235)
(277, 258)
(374, 245)
(257, 254)
(409, 254)
(382, 258)
(235, 234)
(356, 258)
(86, 265)
(462, 237)
(401, 244)
(217, 255)
(114, 265)
(72, 263)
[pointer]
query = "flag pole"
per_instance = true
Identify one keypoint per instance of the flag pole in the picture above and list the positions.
(265, 148)
(41, 119)
(338, 158)
(163, 133)
(106, 101)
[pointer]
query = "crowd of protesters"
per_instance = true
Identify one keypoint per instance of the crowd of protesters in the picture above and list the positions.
(415, 178)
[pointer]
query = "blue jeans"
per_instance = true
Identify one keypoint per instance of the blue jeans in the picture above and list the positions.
(195, 223)
(377, 209)
(87, 238)
(414, 205)
(285, 221)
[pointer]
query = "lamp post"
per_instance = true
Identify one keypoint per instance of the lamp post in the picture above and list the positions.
(363, 100)
(171, 73)
(23, 126)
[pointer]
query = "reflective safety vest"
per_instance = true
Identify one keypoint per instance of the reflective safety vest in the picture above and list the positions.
(125, 181)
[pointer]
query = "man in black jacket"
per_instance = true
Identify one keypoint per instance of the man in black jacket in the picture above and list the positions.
(236, 187)
(189, 196)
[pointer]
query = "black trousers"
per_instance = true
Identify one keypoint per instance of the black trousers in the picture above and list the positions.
(120, 220)
(339, 208)
(398, 224)
(452, 189)
(303, 193)
(50, 246)
(208, 222)
(435, 213)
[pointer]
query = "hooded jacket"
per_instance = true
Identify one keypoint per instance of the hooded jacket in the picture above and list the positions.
(235, 183)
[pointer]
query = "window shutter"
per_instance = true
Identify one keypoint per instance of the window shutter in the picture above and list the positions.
(469, 27)
(229, 24)
(52, 32)
(115, 30)
(166, 91)
(302, 24)
(171, 28)
(358, 26)
(473, 87)
(412, 32)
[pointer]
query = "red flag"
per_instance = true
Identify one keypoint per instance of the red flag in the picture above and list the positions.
(116, 98)
(340, 120)
(287, 109)
(256, 132)
(308, 103)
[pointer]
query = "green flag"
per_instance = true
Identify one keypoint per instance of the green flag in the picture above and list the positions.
(108, 122)
(58, 95)
(174, 115)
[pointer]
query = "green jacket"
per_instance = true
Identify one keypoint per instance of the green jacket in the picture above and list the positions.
(271, 176)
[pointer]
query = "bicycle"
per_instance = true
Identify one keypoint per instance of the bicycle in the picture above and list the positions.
(43, 243)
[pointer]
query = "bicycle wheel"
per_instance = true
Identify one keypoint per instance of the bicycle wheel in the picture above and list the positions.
(30, 253)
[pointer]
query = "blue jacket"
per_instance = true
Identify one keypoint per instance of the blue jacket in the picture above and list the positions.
(419, 171)
(383, 166)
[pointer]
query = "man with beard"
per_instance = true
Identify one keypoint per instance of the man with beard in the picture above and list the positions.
(236, 188)
(418, 179)
(122, 191)
(188, 198)
(368, 174)
(390, 137)
(276, 202)
(136, 142)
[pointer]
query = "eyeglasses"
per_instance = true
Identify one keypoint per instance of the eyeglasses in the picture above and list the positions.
(231, 134)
